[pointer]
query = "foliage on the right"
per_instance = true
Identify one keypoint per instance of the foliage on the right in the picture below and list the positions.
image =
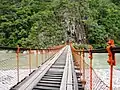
(103, 22)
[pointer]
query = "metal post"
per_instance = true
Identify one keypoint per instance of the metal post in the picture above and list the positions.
(111, 75)
(111, 60)
(36, 58)
(17, 55)
(80, 65)
(90, 56)
(48, 53)
(90, 74)
(30, 60)
(42, 56)
(84, 82)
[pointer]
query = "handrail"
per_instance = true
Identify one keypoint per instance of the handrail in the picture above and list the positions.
(114, 49)
(29, 82)
(111, 49)
(15, 48)
(25, 60)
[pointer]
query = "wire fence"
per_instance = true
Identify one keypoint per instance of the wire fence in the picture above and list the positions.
(97, 83)
(88, 76)
(16, 65)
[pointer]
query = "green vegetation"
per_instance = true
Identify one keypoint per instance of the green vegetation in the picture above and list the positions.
(29, 23)
(80, 46)
(43, 23)
(103, 21)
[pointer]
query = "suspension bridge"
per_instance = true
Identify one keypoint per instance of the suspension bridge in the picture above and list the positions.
(57, 68)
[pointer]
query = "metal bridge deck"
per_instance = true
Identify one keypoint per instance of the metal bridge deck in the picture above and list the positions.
(58, 73)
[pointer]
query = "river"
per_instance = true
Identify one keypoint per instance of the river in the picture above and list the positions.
(8, 68)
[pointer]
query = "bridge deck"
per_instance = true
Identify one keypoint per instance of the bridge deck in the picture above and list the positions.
(58, 73)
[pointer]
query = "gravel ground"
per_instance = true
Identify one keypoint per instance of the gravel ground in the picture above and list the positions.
(8, 78)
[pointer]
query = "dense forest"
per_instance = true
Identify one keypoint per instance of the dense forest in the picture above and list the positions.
(44, 23)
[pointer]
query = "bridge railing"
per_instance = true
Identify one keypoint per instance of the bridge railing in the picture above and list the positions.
(89, 77)
(85, 70)
(17, 63)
